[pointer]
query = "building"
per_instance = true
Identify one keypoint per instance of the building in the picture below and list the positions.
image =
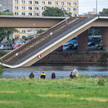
(87, 14)
(36, 7)
(0, 5)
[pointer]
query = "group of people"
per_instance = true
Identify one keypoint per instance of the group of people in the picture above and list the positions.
(53, 76)
(74, 73)
(43, 75)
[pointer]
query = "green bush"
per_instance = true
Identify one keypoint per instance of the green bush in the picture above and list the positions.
(101, 81)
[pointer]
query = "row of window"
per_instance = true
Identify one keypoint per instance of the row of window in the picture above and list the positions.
(31, 14)
(30, 8)
(43, 8)
(43, 2)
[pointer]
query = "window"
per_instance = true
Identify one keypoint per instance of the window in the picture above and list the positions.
(36, 14)
(36, 8)
(29, 30)
(30, 14)
(23, 37)
(43, 2)
(36, 2)
(56, 3)
(75, 9)
(23, 1)
(75, 3)
(16, 1)
(16, 13)
(49, 3)
(16, 7)
(23, 31)
(75, 15)
(62, 3)
(43, 8)
(30, 2)
(68, 9)
(68, 3)
(0, 2)
(30, 8)
(23, 7)
(23, 13)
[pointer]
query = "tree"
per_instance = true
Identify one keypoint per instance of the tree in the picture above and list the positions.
(5, 32)
(104, 11)
(55, 11)
(6, 13)
(1, 69)
(40, 31)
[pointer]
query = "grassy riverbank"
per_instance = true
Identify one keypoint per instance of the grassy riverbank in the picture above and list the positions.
(80, 92)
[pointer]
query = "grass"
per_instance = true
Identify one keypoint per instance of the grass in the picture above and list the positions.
(81, 92)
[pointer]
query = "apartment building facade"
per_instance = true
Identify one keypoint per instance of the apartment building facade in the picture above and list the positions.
(35, 8)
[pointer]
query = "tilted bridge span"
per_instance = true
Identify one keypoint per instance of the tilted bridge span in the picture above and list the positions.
(48, 41)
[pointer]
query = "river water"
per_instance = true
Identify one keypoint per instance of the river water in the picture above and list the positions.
(60, 71)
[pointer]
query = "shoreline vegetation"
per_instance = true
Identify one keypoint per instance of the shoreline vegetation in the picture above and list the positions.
(80, 92)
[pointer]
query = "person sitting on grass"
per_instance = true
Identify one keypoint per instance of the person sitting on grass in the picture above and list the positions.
(31, 75)
(53, 75)
(71, 75)
(43, 75)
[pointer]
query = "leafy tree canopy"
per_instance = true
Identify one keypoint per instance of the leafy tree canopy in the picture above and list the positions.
(40, 31)
(55, 11)
(104, 11)
(6, 13)
(5, 32)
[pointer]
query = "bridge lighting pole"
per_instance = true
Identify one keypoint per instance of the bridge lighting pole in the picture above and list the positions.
(64, 12)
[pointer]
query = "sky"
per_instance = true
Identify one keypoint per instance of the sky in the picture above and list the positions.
(86, 6)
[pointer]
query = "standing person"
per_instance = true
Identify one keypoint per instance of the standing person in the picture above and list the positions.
(53, 75)
(31, 75)
(75, 72)
(43, 75)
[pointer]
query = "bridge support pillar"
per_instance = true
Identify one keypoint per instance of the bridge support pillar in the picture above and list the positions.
(105, 38)
(82, 40)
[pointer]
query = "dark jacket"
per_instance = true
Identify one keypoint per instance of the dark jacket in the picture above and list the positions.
(31, 75)
(53, 76)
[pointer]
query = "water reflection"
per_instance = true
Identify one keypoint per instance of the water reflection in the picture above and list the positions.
(60, 71)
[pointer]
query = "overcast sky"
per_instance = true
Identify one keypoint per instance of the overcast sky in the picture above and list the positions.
(86, 6)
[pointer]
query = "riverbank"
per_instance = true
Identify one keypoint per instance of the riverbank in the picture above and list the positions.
(80, 92)
(74, 57)
(71, 57)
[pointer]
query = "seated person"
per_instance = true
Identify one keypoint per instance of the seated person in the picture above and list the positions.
(31, 75)
(42, 75)
(53, 75)
(72, 75)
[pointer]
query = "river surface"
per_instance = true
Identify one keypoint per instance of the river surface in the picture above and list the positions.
(60, 71)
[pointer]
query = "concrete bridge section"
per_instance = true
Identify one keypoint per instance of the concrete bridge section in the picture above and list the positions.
(45, 43)
(28, 22)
